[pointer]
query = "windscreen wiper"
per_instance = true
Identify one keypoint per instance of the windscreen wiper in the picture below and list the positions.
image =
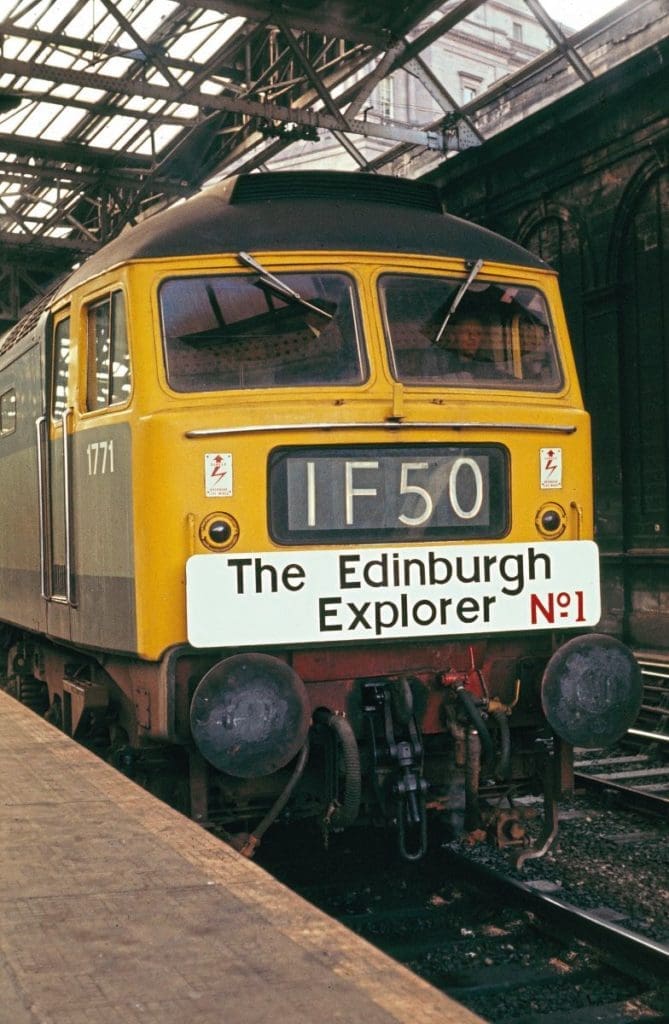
(457, 298)
(280, 288)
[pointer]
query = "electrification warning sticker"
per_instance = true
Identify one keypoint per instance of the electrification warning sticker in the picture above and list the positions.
(370, 594)
(551, 468)
(218, 475)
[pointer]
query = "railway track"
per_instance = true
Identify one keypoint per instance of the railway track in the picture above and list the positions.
(636, 781)
(515, 951)
(602, 971)
(637, 772)
(652, 725)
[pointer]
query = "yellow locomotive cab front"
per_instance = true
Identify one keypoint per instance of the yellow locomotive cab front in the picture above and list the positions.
(314, 507)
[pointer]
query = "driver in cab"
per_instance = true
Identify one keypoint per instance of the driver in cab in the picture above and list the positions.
(467, 343)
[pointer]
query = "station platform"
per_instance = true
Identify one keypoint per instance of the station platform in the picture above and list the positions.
(115, 909)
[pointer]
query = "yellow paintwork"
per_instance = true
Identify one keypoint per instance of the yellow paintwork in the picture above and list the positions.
(168, 468)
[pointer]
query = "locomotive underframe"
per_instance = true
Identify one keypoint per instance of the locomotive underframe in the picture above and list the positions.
(443, 730)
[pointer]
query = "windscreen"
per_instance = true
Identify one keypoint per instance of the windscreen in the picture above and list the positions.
(224, 332)
(492, 335)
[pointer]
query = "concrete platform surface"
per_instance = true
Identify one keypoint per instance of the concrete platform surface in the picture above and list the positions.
(114, 908)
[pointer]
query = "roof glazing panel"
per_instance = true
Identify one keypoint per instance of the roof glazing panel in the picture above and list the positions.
(108, 107)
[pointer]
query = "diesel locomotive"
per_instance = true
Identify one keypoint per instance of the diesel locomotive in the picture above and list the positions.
(295, 489)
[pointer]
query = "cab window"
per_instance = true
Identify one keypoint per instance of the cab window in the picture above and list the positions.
(108, 356)
(61, 362)
(491, 335)
(224, 332)
(8, 412)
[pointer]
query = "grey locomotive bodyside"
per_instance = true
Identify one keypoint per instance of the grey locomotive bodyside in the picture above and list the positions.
(20, 600)
(58, 494)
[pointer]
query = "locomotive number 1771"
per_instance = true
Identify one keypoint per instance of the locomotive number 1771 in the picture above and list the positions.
(100, 456)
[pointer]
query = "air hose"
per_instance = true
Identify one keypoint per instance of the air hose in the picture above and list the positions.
(253, 840)
(342, 814)
(472, 780)
(477, 722)
(503, 765)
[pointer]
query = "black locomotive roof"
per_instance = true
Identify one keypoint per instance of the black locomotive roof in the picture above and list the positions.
(306, 210)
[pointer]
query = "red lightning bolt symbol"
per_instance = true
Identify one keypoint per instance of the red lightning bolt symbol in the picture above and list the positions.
(550, 466)
(217, 470)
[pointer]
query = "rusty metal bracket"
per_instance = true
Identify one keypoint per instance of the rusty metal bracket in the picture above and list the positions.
(80, 695)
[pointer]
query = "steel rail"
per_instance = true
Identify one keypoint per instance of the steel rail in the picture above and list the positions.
(653, 672)
(631, 952)
(654, 737)
(638, 799)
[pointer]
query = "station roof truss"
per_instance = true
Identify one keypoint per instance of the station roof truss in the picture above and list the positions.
(109, 108)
